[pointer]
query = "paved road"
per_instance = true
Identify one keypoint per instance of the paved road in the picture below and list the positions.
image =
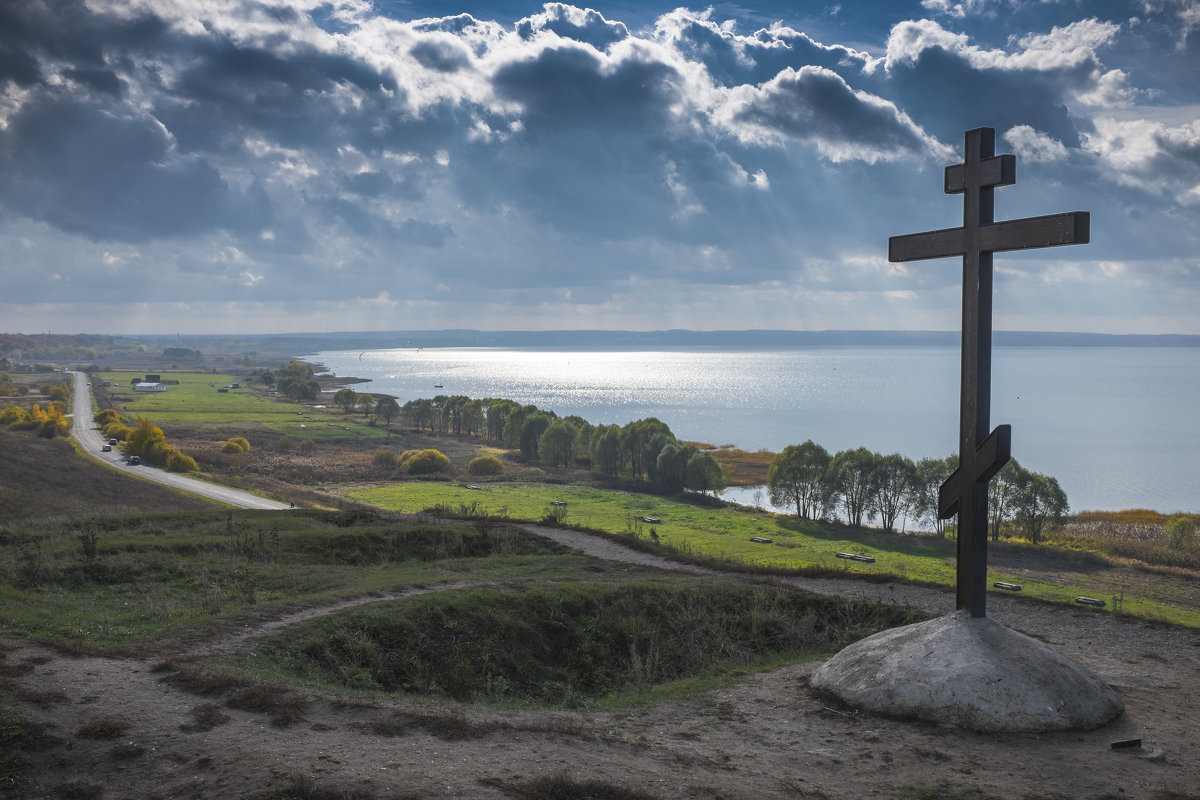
(85, 431)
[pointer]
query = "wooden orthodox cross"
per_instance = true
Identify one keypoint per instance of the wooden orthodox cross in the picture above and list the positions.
(981, 453)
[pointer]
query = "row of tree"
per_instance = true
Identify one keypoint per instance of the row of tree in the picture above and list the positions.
(644, 449)
(384, 407)
(862, 485)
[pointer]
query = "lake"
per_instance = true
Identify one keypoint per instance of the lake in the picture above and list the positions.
(1119, 427)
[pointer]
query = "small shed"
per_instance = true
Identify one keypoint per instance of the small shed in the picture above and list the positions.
(150, 387)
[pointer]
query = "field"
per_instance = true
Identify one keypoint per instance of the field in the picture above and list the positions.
(726, 535)
(195, 400)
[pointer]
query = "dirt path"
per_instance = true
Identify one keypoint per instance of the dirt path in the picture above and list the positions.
(763, 736)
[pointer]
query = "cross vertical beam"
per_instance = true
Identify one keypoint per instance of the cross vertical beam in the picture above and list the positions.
(982, 453)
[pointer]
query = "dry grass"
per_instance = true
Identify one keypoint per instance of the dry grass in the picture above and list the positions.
(107, 727)
(41, 478)
(742, 468)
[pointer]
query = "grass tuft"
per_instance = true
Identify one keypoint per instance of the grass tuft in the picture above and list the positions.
(106, 727)
(561, 786)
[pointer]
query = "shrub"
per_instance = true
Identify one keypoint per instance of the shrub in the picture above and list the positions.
(385, 459)
(424, 462)
(117, 430)
(232, 447)
(1180, 531)
(180, 462)
(485, 465)
(13, 414)
(241, 442)
(53, 425)
(106, 416)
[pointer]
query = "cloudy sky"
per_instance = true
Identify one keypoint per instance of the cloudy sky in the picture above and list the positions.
(320, 165)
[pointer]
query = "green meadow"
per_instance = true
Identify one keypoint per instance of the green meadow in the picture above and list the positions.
(713, 534)
(196, 400)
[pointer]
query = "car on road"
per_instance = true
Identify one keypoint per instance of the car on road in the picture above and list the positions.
(134, 461)
(112, 440)
(106, 448)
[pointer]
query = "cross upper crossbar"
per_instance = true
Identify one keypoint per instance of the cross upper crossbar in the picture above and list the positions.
(1018, 234)
(981, 453)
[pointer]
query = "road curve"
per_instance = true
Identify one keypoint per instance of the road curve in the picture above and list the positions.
(92, 441)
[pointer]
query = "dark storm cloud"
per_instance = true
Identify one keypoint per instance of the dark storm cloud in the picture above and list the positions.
(950, 95)
(88, 171)
(227, 89)
(96, 80)
(568, 86)
(815, 103)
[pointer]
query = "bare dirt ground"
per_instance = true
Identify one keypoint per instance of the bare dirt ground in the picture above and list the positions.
(114, 729)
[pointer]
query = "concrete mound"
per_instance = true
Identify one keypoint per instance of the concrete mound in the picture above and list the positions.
(970, 672)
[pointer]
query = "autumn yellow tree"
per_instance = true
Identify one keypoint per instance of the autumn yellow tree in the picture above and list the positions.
(147, 441)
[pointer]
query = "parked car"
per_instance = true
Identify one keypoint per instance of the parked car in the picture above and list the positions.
(134, 461)
(106, 448)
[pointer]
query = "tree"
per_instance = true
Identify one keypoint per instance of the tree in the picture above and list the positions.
(557, 443)
(584, 431)
(298, 388)
(638, 445)
(1180, 531)
(670, 466)
(388, 408)
(853, 478)
(419, 413)
(366, 404)
(703, 473)
(497, 415)
(514, 421)
(146, 441)
(895, 478)
(1040, 500)
(473, 420)
(53, 423)
(931, 474)
(267, 378)
(452, 411)
(532, 427)
(797, 478)
(345, 398)
(297, 369)
(1002, 496)
(606, 450)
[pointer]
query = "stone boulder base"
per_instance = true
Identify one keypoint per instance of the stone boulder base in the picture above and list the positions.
(970, 672)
